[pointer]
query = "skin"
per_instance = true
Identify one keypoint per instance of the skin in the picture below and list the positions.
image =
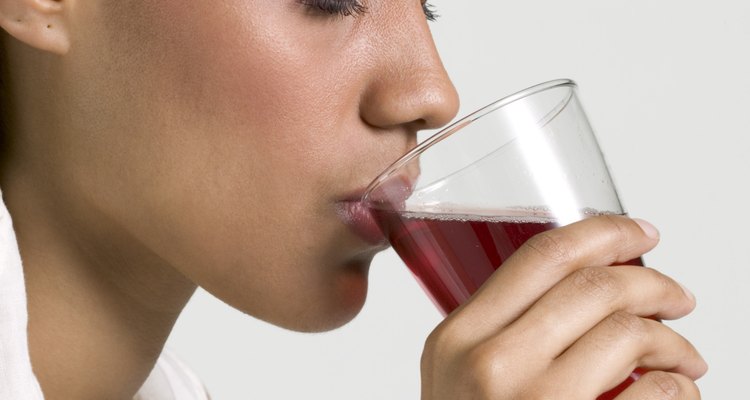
(153, 146)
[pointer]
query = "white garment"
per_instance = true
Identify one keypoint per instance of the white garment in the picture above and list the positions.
(17, 381)
(170, 379)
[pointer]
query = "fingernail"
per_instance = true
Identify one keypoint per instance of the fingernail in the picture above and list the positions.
(648, 229)
(687, 291)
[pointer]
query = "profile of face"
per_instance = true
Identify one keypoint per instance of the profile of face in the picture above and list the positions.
(222, 137)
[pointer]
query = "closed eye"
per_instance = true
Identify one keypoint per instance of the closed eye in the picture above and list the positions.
(348, 8)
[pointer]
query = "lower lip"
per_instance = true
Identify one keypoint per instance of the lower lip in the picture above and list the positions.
(360, 220)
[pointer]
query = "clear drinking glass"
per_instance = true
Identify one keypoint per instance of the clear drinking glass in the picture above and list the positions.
(461, 202)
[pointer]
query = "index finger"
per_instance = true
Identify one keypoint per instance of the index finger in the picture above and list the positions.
(547, 258)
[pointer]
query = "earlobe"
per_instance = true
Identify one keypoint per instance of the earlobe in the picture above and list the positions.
(38, 23)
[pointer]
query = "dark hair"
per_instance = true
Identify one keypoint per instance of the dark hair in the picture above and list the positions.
(2, 91)
(4, 96)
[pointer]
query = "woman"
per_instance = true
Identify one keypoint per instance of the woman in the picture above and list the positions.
(153, 146)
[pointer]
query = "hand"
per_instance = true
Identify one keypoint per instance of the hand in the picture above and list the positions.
(557, 322)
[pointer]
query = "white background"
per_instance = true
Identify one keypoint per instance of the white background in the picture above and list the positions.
(666, 84)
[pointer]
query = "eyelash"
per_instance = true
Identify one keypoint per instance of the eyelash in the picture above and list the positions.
(354, 7)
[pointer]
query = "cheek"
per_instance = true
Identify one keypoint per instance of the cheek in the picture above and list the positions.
(251, 59)
(246, 136)
(257, 85)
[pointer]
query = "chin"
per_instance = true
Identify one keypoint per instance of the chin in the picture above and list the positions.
(336, 307)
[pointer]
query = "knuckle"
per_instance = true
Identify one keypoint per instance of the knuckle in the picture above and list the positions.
(668, 387)
(484, 366)
(664, 282)
(617, 226)
(666, 384)
(553, 246)
(618, 232)
(598, 282)
(489, 362)
(669, 288)
(634, 327)
(443, 339)
(437, 339)
(668, 285)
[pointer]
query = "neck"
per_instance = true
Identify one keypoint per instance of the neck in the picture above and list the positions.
(101, 305)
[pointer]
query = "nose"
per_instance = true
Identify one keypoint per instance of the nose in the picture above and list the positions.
(409, 85)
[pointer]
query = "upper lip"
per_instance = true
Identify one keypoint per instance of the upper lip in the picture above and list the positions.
(353, 196)
(393, 191)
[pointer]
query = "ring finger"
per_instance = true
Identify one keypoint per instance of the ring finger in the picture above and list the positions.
(659, 385)
(606, 355)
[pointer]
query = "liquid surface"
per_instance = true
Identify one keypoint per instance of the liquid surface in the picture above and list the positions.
(452, 256)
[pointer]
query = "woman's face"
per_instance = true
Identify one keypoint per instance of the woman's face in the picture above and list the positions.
(226, 135)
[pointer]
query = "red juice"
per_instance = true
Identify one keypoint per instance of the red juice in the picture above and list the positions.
(453, 255)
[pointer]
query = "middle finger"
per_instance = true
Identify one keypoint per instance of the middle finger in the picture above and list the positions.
(589, 295)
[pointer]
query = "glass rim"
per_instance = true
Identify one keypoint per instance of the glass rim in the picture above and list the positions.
(452, 128)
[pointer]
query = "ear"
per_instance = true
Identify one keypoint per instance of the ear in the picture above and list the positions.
(38, 23)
